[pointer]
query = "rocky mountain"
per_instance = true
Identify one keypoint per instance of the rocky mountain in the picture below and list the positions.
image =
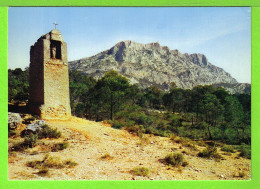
(152, 64)
(236, 88)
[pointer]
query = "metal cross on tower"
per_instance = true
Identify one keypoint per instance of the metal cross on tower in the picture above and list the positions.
(55, 24)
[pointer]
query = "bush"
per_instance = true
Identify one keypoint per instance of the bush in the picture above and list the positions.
(30, 140)
(140, 171)
(190, 146)
(47, 132)
(18, 147)
(230, 136)
(117, 125)
(210, 152)
(69, 163)
(138, 129)
(176, 139)
(140, 118)
(200, 143)
(60, 146)
(175, 159)
(201, 125)
(227, 148)
(245, 151)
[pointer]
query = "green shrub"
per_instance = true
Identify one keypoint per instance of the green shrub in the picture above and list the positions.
(210, 152)
(230, 136)
(176, 139)
(245, 151)
(228, 148)
(117, 125)
(201, 125)
(152, 130)
(175, 159)
(201, 143)
(140, 171)
(70, 164)
(138, 129)
(130, 123)
(190, 146)
(163, 133)
(141, 118)
(47, 132)
(19, 147)
(60, 146)
(30, 140)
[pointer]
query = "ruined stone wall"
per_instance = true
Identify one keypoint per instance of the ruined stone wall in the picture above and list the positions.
(36, 89)
(49, 78)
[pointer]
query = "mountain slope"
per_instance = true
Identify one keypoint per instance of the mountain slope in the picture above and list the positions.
(152, 64)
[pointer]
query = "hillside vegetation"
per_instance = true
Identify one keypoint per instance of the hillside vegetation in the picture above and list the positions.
(204, 112)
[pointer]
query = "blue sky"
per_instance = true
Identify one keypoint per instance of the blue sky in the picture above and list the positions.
(222, 34)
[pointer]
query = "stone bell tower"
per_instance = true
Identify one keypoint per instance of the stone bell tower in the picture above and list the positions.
(49, 77)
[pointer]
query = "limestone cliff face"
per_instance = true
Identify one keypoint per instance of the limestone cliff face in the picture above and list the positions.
(152, 64)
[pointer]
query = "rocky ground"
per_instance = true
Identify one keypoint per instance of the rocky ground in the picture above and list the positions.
(104, 153)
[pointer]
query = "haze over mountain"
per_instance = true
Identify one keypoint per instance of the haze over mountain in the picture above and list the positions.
(152, 64)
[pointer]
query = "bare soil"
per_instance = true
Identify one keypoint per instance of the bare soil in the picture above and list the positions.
(104, 153)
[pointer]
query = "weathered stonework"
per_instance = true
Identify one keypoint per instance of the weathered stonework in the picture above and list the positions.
(49, 77)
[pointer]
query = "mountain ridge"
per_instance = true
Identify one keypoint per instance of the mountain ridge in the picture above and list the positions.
(153, 64)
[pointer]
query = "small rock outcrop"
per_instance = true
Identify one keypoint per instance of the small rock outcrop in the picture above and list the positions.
(236, 88)
(14, 120)
(33, 128)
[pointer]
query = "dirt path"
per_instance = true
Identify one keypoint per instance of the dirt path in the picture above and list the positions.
(90, 141)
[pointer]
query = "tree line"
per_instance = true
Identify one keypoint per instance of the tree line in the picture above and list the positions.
(202, 112)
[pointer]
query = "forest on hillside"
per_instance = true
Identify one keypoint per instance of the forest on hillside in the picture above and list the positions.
(201, 113)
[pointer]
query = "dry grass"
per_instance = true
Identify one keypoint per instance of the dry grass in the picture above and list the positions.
(107, 156)
(43, 172)
(51, 162)
(140, 171)
(126, 156)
